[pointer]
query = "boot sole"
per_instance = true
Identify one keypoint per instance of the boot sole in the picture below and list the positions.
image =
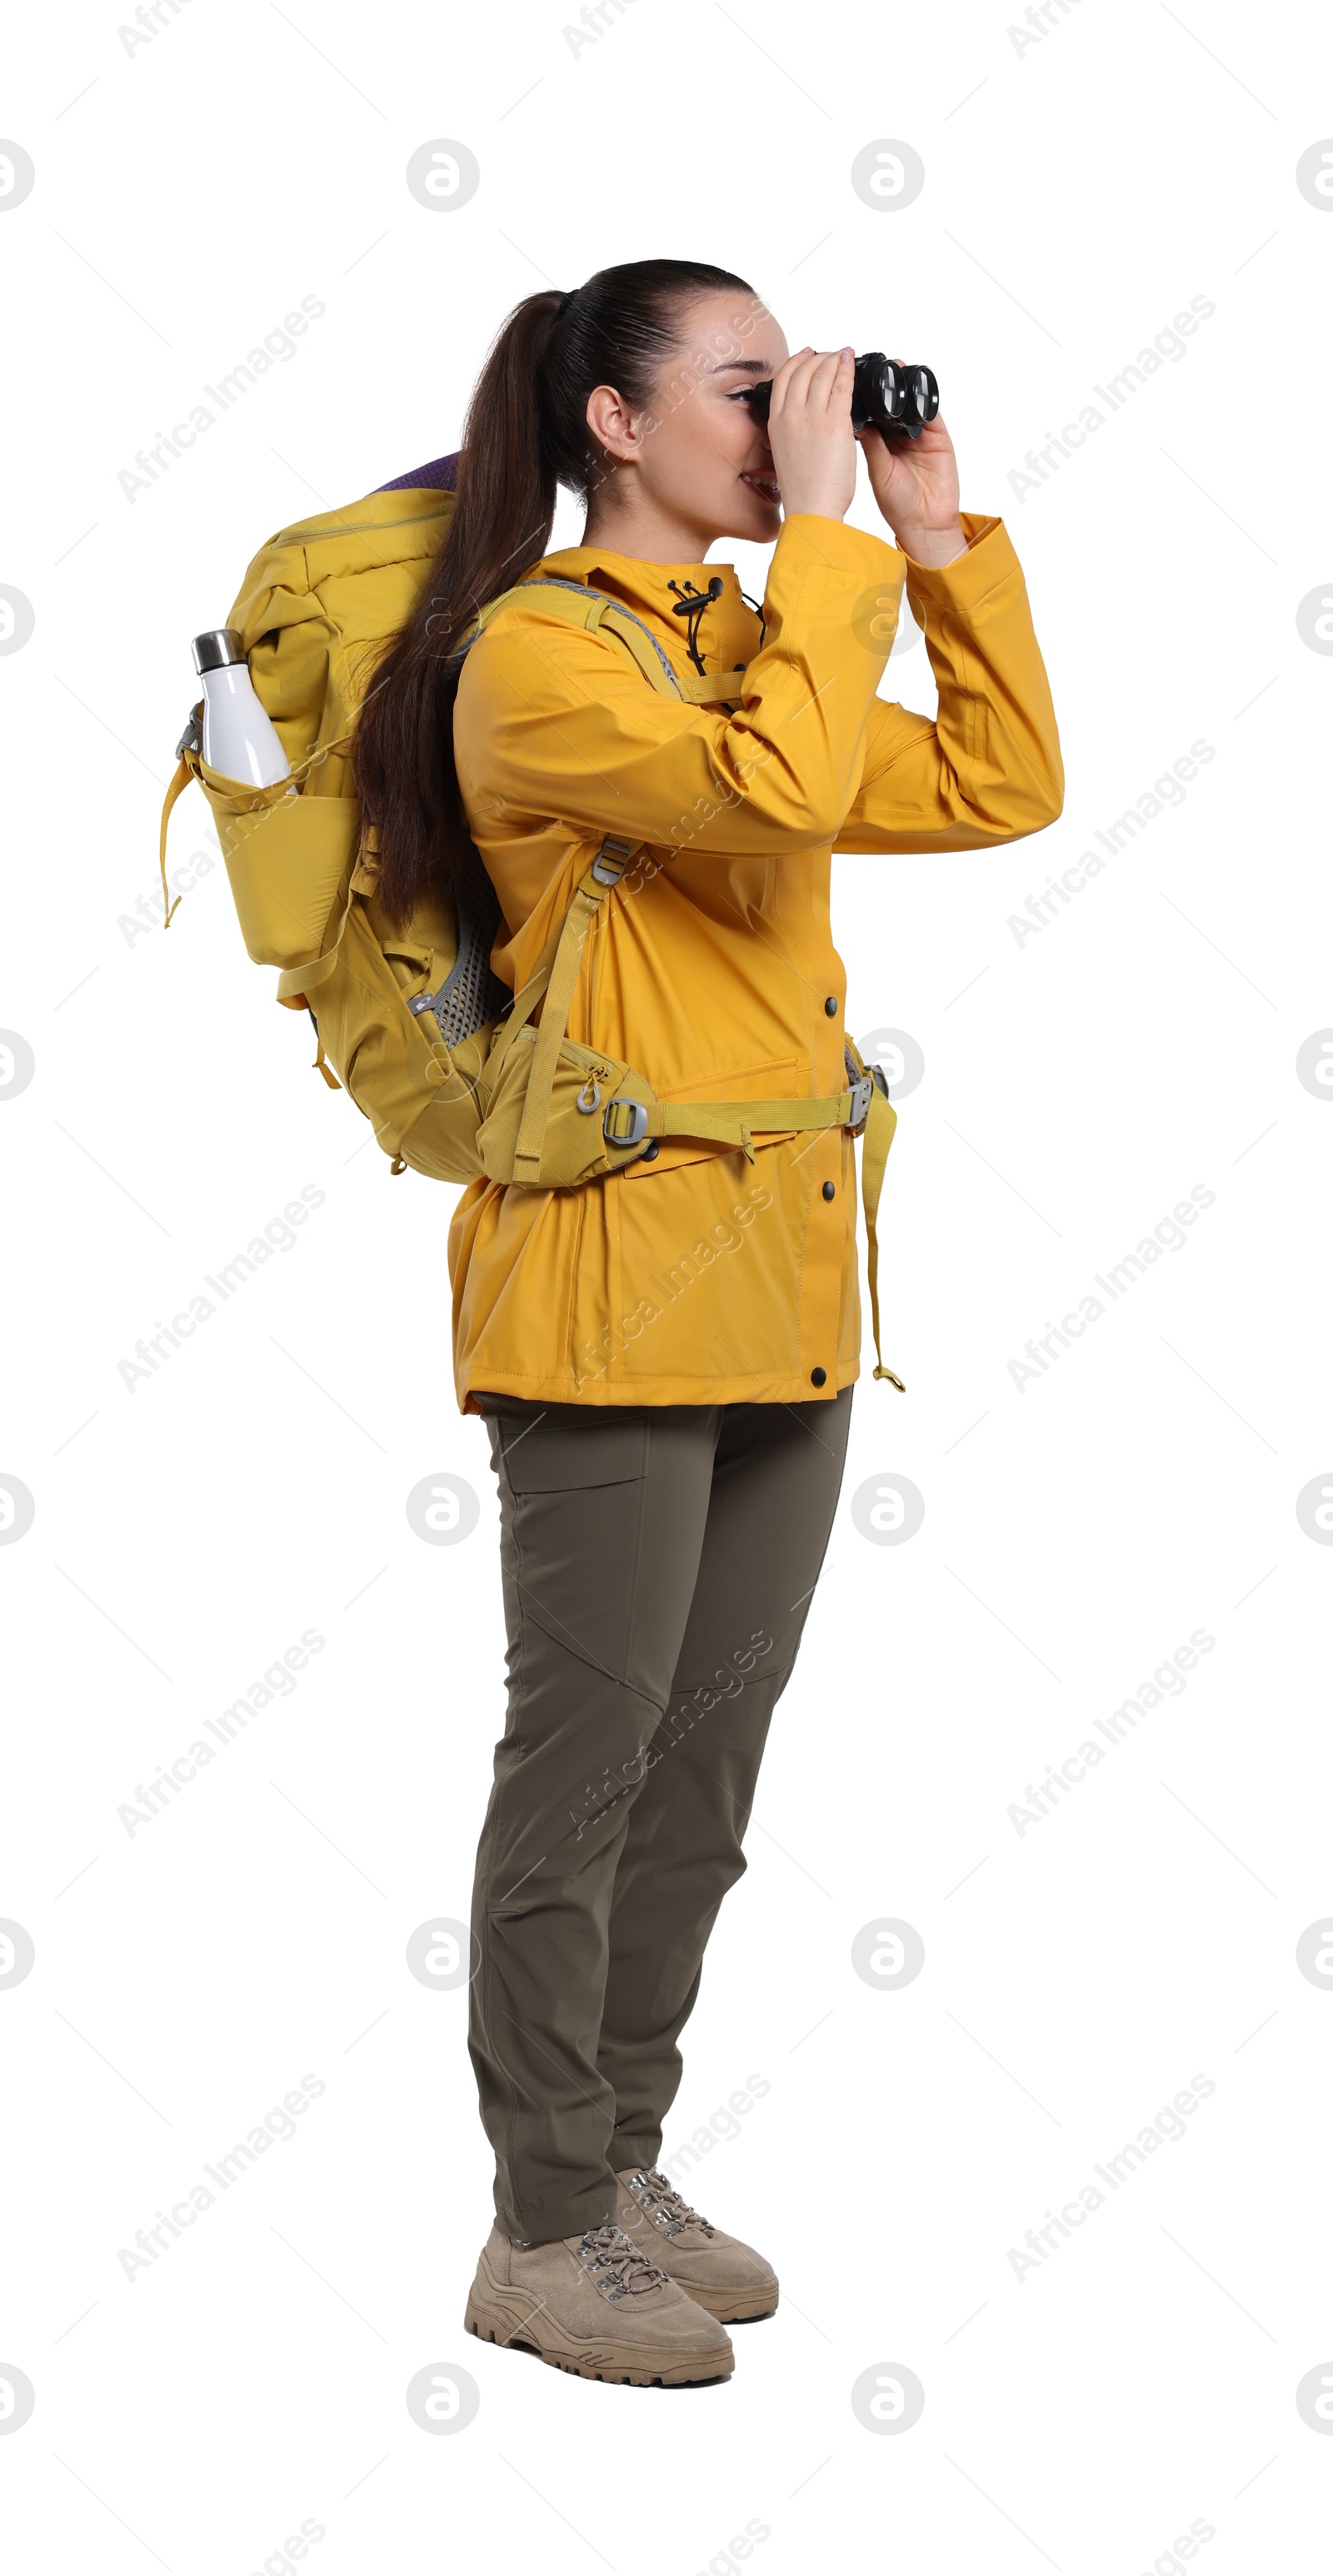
(497, 2314)
(732, 2307)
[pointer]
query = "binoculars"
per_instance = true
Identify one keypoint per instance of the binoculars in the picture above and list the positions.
(885, 396)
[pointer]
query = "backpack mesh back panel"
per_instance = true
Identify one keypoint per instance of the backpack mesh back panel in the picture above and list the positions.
(470, 994)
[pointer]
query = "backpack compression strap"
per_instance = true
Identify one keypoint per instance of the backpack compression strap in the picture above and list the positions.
(177, 788)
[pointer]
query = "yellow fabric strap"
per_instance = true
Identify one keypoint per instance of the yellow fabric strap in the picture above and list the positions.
(573, 605)
(179, 783)
(613, 857)
(881, 1121)
(713, 688)
(322, 1065)
(731, 1122)
(525, 1003)
(602, 619)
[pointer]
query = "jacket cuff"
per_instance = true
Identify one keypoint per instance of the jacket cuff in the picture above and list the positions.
(963, 584)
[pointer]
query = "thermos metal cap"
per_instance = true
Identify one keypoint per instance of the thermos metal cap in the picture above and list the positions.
(217, 650)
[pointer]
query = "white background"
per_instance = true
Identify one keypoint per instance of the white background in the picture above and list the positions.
(1079, 192)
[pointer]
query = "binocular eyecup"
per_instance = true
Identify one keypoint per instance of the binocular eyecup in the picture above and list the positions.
(886, 396)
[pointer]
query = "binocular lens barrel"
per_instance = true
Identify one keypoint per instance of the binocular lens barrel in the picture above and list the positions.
(885, 395)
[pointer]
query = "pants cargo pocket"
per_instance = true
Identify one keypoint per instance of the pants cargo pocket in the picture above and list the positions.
(571, 1498)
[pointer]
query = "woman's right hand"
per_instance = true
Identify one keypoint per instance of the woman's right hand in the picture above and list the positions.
(810, 432)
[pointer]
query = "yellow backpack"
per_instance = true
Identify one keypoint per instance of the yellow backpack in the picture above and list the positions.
(446, 1063)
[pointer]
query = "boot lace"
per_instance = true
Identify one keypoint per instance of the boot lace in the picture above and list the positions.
(661, 2202)
(615, 2265)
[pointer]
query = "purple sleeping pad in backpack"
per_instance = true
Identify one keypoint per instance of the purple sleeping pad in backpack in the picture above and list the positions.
(441, 475)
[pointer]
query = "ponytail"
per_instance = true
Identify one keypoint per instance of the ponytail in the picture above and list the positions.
(526, 432)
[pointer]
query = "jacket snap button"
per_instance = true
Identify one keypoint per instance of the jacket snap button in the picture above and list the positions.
(649, 1154)
(830, 1189)
(831, 1006)
(818, 1376)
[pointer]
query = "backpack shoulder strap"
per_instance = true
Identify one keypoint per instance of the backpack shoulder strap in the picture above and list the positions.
(575, 604)
(606, 871)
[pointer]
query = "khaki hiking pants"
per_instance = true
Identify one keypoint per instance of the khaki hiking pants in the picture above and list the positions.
(658, 1563)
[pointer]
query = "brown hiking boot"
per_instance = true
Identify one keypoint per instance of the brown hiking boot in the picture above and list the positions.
(595, 2305)
(717, 2271)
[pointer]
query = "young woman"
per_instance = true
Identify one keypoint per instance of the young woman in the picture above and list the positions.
(665, 1357)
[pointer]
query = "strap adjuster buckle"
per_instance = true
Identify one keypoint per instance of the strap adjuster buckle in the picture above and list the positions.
(862, 1087)
(614, 869)
(860, 1107)
(625, 1122)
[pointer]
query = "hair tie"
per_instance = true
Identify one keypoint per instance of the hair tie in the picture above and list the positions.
(564, 304)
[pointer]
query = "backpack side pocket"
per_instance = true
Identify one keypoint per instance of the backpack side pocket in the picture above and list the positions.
(286, 856)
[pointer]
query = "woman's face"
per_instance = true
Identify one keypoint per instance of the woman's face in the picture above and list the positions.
(697, 454)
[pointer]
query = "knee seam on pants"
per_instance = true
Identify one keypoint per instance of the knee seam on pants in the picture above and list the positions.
(569, 1646)
(688, 1690)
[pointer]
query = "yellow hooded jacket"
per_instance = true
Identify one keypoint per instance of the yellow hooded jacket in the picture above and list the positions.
(692, 1276)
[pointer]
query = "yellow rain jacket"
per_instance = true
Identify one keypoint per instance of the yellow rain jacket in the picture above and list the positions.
(694, 1276)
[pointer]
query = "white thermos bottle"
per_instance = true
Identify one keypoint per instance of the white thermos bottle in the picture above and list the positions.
(238, 739)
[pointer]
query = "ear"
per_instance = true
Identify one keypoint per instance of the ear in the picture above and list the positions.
(617, 430)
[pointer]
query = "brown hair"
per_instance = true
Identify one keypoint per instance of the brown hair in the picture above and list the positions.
(526, 431)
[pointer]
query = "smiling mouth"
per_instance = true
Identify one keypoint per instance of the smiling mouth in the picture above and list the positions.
(764, 485)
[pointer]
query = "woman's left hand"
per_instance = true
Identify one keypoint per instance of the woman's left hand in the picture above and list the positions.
(915, 482)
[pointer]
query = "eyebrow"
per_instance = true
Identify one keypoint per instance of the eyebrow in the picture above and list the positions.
(742, 366)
